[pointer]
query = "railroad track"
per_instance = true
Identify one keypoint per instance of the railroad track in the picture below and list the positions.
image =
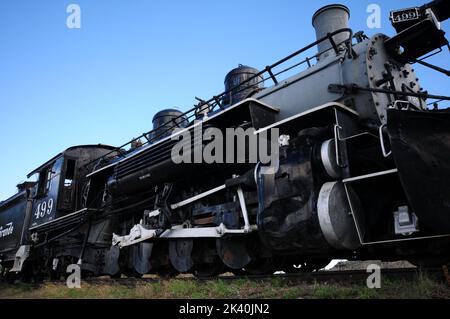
(347, 276)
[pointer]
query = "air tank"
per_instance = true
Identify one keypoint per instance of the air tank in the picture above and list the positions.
(329, 19)
(165, 121)
(236, 77)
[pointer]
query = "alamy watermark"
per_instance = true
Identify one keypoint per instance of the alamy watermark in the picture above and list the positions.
(74, 278)
(374, 279)
(73, 20)
(230, 145)
(374, 19)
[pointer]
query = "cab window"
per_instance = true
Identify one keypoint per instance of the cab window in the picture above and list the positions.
(68, 186)
(70, 173)
(45, 178)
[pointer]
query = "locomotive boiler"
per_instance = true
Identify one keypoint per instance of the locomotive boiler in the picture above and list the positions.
(360, 170)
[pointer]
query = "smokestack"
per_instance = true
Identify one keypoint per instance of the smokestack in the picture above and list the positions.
(329, 19)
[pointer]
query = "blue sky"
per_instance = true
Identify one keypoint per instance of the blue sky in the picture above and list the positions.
(102, 83)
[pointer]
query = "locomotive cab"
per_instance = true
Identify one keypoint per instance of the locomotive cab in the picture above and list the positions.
(60, 183)
(54, 189)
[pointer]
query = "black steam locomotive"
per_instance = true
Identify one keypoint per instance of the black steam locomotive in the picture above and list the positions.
(362, 171)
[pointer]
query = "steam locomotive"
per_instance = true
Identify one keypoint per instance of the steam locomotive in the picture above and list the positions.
(362, 171)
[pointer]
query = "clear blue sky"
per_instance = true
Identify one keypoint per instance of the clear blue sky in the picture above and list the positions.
(102, 83)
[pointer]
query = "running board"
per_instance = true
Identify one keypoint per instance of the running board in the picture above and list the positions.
(139, 234)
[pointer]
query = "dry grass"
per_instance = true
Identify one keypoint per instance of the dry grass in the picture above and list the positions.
(242, 289)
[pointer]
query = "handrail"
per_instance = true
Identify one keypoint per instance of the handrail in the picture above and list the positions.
(216, 100)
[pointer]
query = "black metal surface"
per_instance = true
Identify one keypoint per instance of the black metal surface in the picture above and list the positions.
(417, 33)
(12, 216)
(287, 213)
(441, 8)
(154, 164)
(420, 142)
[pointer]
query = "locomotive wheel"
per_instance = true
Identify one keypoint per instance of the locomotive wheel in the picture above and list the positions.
(260, 266)
(140, 257)
(233, 252)
(180, 251)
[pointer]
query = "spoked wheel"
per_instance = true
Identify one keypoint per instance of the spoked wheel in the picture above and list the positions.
(260, 266)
